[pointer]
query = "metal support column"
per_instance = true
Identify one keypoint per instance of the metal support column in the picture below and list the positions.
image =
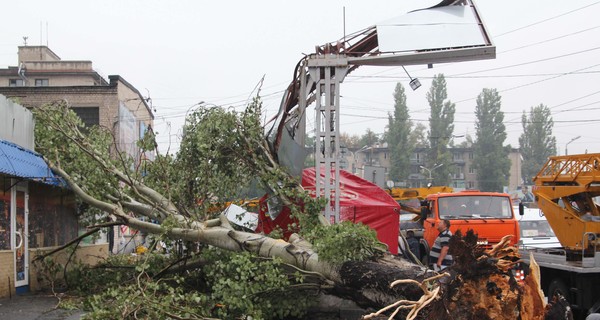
(328, 71)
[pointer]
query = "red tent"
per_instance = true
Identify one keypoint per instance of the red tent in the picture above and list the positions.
(360, 201)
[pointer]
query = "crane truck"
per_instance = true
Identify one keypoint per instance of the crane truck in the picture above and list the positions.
(564, 190)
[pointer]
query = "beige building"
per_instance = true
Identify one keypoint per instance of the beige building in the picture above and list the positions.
(373, 164)
(33, 216)
(41, 77)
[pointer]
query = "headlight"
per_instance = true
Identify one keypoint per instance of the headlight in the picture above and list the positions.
(482, 242)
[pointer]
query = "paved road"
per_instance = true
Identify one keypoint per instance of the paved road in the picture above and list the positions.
(35, 307)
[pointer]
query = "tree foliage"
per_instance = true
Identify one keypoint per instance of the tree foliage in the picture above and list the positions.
(536, 142)
(490, 157)
(369, 139)
(418, 137)
(441, 128)
(398, 137)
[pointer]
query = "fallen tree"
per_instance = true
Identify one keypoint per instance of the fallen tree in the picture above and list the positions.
(175, 198)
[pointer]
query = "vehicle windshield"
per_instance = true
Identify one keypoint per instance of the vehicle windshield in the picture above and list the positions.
(480, 207)
(538, 228)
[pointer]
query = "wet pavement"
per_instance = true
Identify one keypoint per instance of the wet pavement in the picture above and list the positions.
(35, 307)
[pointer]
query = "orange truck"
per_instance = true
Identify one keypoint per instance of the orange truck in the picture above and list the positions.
(489, 214)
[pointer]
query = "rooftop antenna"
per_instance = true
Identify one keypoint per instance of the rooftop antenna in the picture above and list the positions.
(344, 16)
(46, 33)
(25, 40)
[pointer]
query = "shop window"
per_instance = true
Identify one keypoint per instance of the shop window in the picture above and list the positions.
(5, 220)
(52, 219)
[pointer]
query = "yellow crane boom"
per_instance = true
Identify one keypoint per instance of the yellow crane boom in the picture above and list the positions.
(565, 189)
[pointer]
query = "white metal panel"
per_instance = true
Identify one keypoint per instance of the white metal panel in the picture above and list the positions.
(437, 28)
(16, 123)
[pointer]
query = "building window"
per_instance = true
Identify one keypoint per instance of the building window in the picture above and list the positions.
(41, 82)
(89, 115)
(471, 185)
(415, 157)
(457, 156)
(16, 83)
(471, 170)
(470, 155)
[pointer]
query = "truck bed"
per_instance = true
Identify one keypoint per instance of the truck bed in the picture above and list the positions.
(556, 259)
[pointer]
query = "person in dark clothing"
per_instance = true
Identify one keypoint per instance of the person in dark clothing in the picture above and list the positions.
(413, 243)
(527, 195)
(110, 234)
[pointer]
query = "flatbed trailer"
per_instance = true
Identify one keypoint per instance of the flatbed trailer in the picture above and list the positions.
(577, 281)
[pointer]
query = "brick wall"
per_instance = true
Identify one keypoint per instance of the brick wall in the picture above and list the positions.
(7, 273)
(87, 254)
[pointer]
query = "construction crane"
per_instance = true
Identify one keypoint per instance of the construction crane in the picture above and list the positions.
(317, 78)
(566, 190)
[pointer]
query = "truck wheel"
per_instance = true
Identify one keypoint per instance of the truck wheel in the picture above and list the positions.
(558, 285)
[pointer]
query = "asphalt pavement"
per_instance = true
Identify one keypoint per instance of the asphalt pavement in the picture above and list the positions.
(35, 307)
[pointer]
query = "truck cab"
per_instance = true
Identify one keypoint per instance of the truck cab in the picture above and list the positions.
(489, 214)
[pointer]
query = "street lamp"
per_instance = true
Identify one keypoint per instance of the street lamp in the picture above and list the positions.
(435, 166)
(566, 145)
(190, 108)
(356, 158)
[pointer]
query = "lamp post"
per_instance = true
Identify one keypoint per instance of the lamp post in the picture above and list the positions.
(356, 160)
(566, 145)
(435, 166)
(190, 108)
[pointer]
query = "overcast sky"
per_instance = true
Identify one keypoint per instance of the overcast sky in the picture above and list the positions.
(183, 52)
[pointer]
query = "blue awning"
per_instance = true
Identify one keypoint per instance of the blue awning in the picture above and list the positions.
(17, 161)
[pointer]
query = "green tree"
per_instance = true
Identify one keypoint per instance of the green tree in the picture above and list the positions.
(536, 142)
(222, 150)
(370, 138)
(418, 136)
(398, 137)
(490, 157)
(441, 128)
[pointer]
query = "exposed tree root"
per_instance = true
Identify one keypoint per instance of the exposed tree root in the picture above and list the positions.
(415, 306)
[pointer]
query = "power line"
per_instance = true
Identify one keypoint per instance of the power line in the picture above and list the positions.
(546, 20)
(530, 62)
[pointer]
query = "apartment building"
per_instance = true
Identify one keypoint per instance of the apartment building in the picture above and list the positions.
(373, 163)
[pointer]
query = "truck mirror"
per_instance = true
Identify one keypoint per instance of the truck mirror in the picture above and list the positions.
(521, 209)
(424, 212)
